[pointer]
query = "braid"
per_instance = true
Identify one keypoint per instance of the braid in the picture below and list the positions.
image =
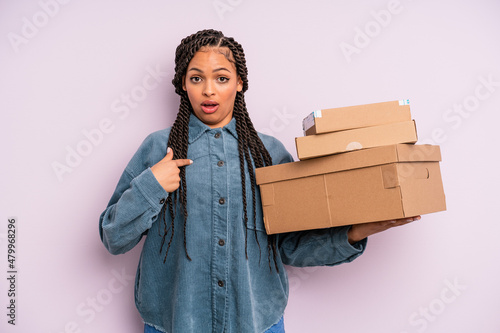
(252, 145)
(241, 143)
(251, 150)
(178, 141)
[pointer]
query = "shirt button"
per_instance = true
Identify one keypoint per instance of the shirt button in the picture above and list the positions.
(220, 163)
(162, 201)
(222, 201)
(217, 135)
(221, 242)
(220, 283)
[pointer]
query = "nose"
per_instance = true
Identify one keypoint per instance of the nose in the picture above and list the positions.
(208, 88)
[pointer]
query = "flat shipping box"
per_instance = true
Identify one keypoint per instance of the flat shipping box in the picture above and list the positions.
(375, 184)
(337, 142)
(339, 119)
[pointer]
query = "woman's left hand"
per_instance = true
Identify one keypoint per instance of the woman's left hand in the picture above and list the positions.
(363, 230)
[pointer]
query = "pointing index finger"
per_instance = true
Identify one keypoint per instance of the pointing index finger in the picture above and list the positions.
(183, 162)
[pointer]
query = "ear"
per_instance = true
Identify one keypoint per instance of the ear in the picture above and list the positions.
(184, 83)
(239, 87)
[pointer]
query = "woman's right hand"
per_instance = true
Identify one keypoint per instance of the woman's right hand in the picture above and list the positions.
(167, 171)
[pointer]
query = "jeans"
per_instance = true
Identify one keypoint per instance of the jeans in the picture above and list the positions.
(279, 327)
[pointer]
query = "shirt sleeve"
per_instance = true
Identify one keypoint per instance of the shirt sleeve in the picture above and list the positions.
(321, 247)
(133, 207)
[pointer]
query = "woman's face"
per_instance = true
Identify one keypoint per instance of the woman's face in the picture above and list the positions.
(211, 83)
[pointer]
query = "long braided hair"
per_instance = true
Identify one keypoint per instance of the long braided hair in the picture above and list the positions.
(250, 146)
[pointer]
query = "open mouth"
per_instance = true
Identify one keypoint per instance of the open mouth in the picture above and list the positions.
(209, 106)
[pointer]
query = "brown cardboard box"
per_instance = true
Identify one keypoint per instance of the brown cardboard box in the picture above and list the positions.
(338, 119)
(367, 185)
(337, 142)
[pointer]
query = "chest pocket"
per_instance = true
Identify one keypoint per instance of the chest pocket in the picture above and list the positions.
(256, 225)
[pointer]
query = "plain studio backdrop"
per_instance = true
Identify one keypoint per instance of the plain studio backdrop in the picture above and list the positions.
(82, 83)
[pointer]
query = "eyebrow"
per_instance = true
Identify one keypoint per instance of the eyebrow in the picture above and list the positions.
(215, 70)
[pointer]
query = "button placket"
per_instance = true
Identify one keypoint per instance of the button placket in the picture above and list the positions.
(219, 173)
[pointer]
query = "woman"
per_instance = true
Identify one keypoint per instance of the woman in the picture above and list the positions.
(207, 264)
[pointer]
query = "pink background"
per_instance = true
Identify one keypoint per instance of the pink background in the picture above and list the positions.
(66, 65)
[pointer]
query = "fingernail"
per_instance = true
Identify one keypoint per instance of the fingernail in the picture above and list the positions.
(190, 161)
(169, 150)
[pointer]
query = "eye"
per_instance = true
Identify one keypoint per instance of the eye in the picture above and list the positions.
(222, 79)
(195, 79)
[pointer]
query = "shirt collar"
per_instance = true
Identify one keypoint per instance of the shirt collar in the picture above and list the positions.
(197, 128)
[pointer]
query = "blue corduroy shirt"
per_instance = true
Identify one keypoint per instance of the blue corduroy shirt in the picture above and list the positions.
(219, 290)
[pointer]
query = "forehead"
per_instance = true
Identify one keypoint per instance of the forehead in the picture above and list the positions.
(212, 56)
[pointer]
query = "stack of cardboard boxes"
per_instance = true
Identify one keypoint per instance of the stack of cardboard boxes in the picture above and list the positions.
(357, 164)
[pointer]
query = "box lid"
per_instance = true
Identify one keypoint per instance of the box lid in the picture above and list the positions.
(357, 116)
(348, 160)
(313, 146)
